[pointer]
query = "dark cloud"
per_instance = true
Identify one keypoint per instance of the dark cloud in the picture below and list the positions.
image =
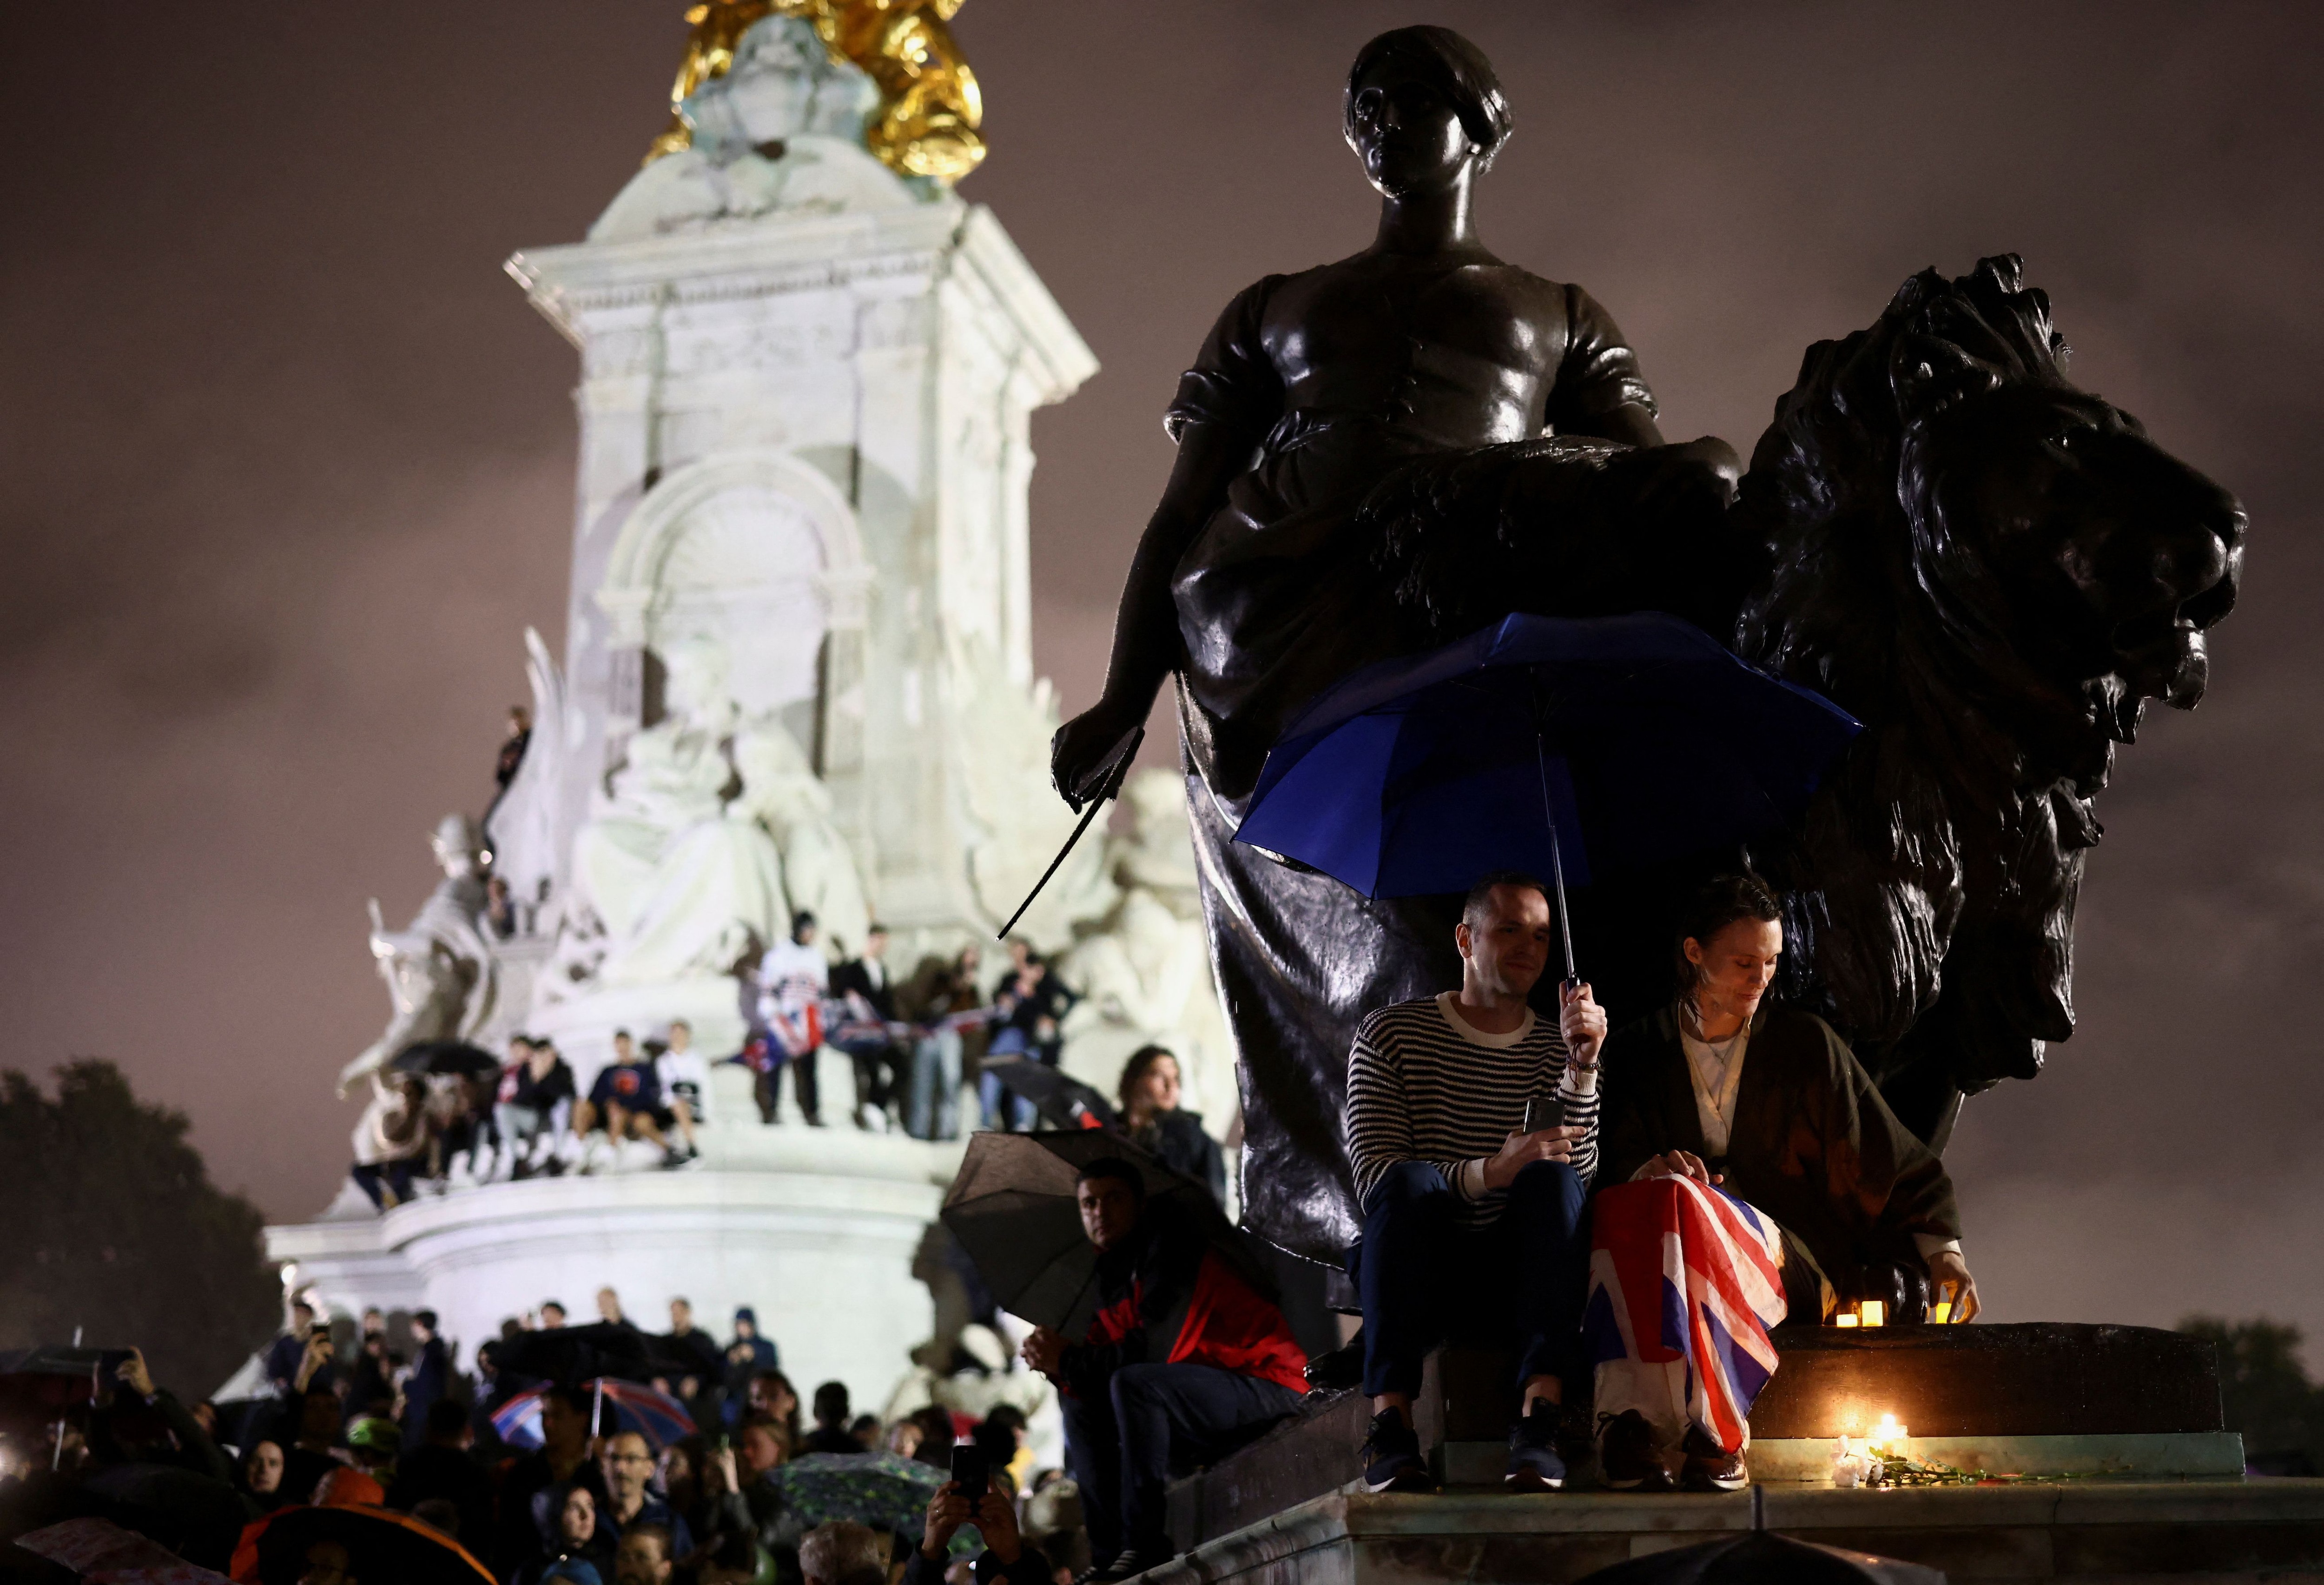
(290, 466)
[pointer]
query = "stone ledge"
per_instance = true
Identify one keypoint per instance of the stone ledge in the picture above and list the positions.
(2151, 1532)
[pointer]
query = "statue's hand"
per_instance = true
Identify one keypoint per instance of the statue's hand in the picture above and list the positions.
(1083, 753)
(1697, 476)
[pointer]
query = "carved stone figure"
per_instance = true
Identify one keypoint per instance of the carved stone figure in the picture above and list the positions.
(782, 793)
(521, 830)
(441, 976)
(926, 108)
(1987, 567)
(781, 129)
(1144, 969)
(673, 864)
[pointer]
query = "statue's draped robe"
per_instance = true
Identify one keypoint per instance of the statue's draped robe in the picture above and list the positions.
(1277, 599)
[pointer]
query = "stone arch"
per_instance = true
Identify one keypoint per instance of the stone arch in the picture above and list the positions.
(756, 549)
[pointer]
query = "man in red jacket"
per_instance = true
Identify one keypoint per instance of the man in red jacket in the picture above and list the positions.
(1185, 1362)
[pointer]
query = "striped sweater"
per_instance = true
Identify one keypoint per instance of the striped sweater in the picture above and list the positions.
(1424, 1087)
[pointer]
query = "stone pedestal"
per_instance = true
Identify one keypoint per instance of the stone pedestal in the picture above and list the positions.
(2175, 1532)
(818, 1229)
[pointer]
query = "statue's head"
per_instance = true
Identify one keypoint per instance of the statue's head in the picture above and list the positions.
(2032, 555)
(458, 844)
(783, 85)
(694, 678)
(1422, 109)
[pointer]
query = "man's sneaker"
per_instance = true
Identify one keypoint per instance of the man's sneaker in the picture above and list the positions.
(1710, 1467)
(1534, 1463)
(1392, 1460)
(1628, 1459)
(1130, 1564)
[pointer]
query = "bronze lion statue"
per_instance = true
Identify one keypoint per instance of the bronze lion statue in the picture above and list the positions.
(1993, 570)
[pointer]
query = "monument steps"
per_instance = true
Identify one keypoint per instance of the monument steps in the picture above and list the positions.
(2130, 1414)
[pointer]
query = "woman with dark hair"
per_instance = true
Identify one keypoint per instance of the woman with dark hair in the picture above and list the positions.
(1150, 1116)
(1747, 1137)
(1263, 579)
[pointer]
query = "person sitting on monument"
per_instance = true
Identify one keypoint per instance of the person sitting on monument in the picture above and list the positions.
(1149, 1090)
(685, 1080)
(794, 977)
(1786, 1171)
(949, 1004)
(1185, 1362)
(863, 984)
(1471, 1223)
(624, 1102)
(391, 1139)
(535, 1102)
(1028, 1008)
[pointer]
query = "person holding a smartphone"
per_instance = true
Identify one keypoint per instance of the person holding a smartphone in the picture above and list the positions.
(970, 1497)
(1473, 1133)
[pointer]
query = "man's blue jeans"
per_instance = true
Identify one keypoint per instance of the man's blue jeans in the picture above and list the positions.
(935, 1086)
(1428, 1279)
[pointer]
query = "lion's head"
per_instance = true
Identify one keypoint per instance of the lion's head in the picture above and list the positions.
(1995, 571)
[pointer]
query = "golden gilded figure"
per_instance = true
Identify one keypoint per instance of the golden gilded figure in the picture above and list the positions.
(929, 107)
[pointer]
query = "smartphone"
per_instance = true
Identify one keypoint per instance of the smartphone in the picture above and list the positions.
(1542, 1111)
(971, 1474)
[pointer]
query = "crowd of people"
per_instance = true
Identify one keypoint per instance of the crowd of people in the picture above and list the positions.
(913, 1044)
(589, 1497)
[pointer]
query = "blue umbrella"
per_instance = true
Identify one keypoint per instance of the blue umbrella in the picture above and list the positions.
(1559, 745)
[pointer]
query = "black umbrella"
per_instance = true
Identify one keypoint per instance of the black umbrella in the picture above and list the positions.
(574, 1354)
(1761, 1557)
(40, 1386)
(445, 1056)
(1062, 1099)
(383, 1545)
(193, 1515)
(1014, 1211)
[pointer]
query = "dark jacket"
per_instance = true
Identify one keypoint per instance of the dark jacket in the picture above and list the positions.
(435, 1470)
(852, 975)
(1166, 1296)
(1177, 1141)
(1813, 1144)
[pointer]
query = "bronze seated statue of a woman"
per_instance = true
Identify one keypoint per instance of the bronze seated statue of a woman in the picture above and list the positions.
(1264, 577)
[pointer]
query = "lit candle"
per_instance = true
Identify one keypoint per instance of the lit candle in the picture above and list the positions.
(1875, 1314)
(1941, 1312)
(1844, 1318)
(1889, 1436)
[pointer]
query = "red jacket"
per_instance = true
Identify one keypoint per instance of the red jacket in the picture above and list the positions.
(1168, 1297)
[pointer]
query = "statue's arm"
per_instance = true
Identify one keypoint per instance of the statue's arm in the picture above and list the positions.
(1146, 644)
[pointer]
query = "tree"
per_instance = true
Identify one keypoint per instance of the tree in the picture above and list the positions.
(112, 1225)
(2267, 1392)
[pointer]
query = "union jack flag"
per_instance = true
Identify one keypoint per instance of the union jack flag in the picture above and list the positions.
(1684, 1282)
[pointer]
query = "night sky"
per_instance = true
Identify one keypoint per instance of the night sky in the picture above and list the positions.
(289, 468)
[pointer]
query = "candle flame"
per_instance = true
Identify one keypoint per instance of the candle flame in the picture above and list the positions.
(1875, 1314)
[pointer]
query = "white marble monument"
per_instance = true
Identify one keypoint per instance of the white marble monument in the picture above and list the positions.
(798, 673)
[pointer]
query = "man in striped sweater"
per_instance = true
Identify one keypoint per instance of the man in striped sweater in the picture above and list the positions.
(1473, 1226)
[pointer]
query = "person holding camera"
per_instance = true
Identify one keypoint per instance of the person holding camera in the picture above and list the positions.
(993, 1512)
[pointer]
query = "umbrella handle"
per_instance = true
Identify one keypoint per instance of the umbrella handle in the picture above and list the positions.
(1556, 858)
